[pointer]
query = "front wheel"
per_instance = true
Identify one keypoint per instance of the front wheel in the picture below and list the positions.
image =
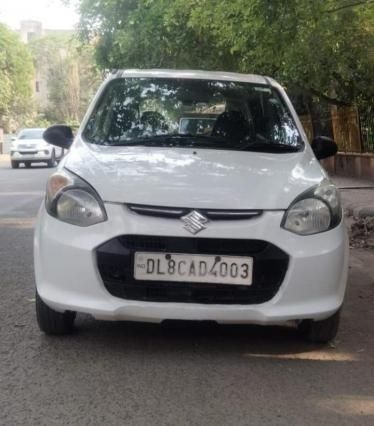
(320, 331)
(27, 164)
(14, 164)
(51, 321)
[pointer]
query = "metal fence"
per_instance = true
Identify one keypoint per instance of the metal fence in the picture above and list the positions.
(346, 129)
(353, 132)
(367, 130)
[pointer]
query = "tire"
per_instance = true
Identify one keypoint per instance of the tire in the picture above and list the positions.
(27, 164)
(320, 331)
(14, 164)
(52, 161)
(52, 322)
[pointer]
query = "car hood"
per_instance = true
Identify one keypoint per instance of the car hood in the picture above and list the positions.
(196, 178)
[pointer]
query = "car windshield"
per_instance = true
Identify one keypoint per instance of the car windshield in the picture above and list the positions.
(31, 134)
(190, 112)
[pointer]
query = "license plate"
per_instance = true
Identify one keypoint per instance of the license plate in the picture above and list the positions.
(236, 270)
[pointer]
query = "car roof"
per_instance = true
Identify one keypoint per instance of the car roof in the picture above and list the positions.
(190, 74)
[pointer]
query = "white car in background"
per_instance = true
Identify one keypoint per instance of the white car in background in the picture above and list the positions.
(145, 222)
(30, 147)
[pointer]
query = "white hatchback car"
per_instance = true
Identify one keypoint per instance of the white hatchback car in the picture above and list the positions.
(30, 147)
(236, 225)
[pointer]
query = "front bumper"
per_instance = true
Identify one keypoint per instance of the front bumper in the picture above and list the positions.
(68, 277)
(34, 156)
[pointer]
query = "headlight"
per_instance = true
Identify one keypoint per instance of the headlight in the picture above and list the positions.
(317, 210)
(72, 200)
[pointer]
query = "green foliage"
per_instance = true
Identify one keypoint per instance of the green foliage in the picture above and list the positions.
(319, 47)
(16, 73)
(68, 71)
(37, 120)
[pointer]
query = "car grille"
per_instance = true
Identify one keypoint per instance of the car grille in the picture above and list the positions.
(178, 212)
(26, 146)
(115, 261)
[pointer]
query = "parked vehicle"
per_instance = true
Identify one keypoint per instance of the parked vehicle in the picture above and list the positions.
(143, 222)
(30, 147)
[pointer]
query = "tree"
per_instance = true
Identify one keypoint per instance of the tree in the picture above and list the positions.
(319, 48)
(68, 70)
(16, 74)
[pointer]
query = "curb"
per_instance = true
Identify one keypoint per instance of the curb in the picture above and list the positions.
(360, 212)
(364, 212)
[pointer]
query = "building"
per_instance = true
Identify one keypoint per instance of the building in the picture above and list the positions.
(30, 30)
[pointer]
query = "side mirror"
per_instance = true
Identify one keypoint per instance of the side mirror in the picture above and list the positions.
(13, 138)
(324, 147)
(59, 135)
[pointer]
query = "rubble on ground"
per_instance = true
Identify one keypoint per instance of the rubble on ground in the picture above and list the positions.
(361, 232)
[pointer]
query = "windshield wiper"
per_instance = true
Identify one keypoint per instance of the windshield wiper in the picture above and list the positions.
(177, 139)
(269, 147)
(191, 141)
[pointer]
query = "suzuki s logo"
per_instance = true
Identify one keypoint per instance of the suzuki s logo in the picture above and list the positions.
(194, 222)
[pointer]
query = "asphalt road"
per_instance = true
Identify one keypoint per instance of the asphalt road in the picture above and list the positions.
(173, 374)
